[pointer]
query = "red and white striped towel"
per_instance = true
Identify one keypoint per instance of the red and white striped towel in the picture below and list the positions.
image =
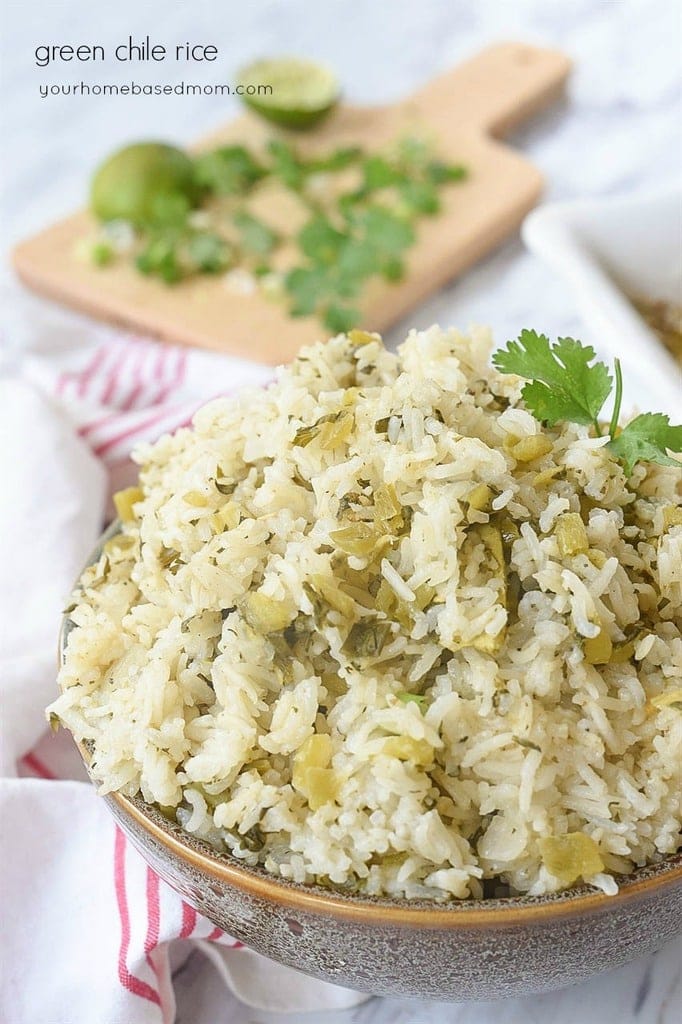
(124, 389)
(88, 926)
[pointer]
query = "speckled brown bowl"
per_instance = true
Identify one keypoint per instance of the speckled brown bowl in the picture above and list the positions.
(466, 950)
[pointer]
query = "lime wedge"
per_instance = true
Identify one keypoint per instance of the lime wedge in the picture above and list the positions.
(289, 92)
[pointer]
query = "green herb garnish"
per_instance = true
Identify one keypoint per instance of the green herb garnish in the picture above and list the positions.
(102, 254)
(286, 164)
(256, 236)
(320, 241)
(420, 197)
(340, 319)
(342, 258)
(413, 698)
(565, 384)
(208, 252)
(306, 285)
(159, 257)
(228, 170)
(197, 217)
(378, 172)
(338, 160)
(648, 438)
(440, 173)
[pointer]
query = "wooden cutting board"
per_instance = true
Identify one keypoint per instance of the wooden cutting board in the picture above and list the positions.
(464, 111)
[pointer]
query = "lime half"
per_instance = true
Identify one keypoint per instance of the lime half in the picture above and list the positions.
(289, 92)
(135, 182)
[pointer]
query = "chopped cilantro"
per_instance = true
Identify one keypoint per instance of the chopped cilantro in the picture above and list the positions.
(306, 286)
(440, 173)
(286, 164)
(320, 241)
(338, 160)
(159, 258)
(208, 252)
(101, 254)
(255, 235)
(227, 170)
(413, 698)
(420, 197)
(378, 172)
(357, 261)
(393, 269)
(348, 236)
(340, 319)
(386, 231)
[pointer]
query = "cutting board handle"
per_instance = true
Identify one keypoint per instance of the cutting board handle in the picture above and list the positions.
(495, 90)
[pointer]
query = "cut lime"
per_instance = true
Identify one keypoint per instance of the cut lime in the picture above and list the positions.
(136, 182)
(289, 92)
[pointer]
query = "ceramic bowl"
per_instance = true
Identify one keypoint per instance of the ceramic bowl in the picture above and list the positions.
(607, 251)
(470, 949)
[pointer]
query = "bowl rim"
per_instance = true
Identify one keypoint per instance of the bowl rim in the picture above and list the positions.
(660, 876)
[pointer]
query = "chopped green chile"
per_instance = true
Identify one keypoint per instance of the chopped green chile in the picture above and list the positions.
(125, 501)
(267, 614)
(367, 639)
(571, 856)
(598, 650)
(571, 535)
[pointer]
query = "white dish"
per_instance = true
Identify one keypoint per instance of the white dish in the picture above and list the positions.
(606, 250)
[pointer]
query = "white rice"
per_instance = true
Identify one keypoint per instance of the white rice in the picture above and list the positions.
(463, 731)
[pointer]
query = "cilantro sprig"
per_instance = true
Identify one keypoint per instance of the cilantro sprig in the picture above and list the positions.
(647, 438)
(356, 228)
(566, 384)
(340, 259)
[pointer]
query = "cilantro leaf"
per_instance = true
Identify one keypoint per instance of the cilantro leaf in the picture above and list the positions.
(648, 437)
(159, 258)
(413, 152)
(357, 261)
(393, 269)
(379, 173)
(389, 233)
(441, 173)
(340, 318)
(564, 384)
(227, 170)
(286, 164)
(358, 238)
(337, 160)
(420, 197)
(102, 254)
(320, 241)
(413, 698)
(348, 203)
(208, 252)
(255, 234)
(306, 286)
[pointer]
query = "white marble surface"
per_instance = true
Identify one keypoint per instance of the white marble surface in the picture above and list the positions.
(617, 132)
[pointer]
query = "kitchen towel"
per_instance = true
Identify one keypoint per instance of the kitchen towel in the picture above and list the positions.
(88, 926)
